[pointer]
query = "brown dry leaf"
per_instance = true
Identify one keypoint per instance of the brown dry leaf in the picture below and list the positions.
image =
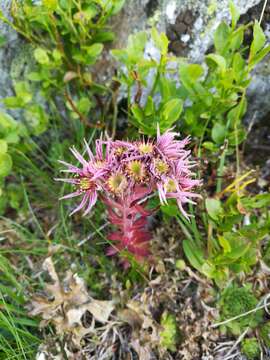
(101, 310)
(65, 304)
(144, 352)
(70, 75)
(131, 317)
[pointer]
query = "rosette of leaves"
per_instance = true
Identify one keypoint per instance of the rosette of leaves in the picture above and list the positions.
(170, 336)
(236, 301)
(250, 348)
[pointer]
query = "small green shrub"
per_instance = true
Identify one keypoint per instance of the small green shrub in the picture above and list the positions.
(209, 99)
(68, 38)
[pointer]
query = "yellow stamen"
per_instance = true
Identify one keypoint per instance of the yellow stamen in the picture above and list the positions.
(117, 183)
(170, 186)
(145, 148)
(161, 167)
(120, 150)
(85, 184)
(136, 170)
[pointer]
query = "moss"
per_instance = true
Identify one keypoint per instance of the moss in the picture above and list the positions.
(170, 336)
(264, 332)
(236, 301)
(250, 348)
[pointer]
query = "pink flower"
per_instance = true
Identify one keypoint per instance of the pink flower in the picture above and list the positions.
(169, 147)
(123, 173)
(85, 182)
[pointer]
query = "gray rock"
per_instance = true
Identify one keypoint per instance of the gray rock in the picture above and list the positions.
(7, 53)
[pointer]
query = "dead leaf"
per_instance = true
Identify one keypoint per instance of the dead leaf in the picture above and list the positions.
(101, 310)
(70, 75)
(66, 303)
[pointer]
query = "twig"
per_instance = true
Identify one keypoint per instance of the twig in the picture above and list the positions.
(240, 338)
(83, 119)
(263, 10)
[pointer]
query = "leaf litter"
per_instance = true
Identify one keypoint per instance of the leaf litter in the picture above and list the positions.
(134, 327)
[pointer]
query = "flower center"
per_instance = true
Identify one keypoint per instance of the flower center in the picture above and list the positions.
(170, 186)
(146, 148)
(86, 184)
(161, 167)
(120, 150)
(117, 183)
(136, 170)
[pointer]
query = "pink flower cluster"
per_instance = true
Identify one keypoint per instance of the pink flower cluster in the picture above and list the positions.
(124, 173)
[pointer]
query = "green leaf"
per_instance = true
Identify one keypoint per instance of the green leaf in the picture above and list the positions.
(57, 55)
(214, 208)
(218, 133)
(258, 40)
(12, 137)
(161, 41)
(13, 102)
(41, 56)
(84, 105)
(5, 164)
(120, 55)
(117, 6)
(171, 209)
(236, 38)
(34, 76)
(104, 36)
(216, 59)
(259, 56)
(238, 66)
(235, 14)
(225, 244)
(23, 91)
(94, 50)
(136, 42)
(221, 37)
(190, 73)
(3, 146)
(193, 254)
(209, 146)
(256, 202)
(6, 122)
(137, 112)
(50, 4)
(170, 113)
(149, 107)
(165, 88)
(237, 136)
(236, 114)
